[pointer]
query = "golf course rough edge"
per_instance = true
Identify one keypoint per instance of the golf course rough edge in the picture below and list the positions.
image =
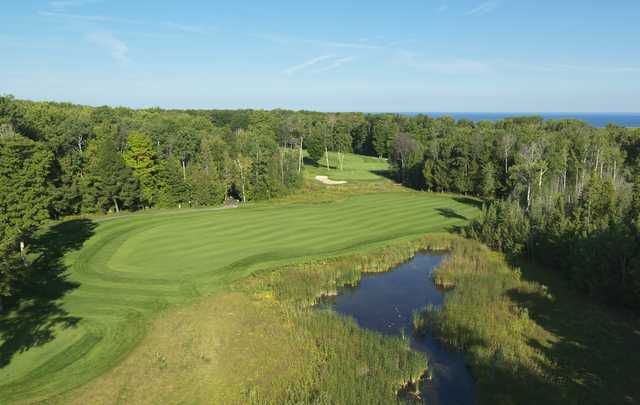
(130, 269)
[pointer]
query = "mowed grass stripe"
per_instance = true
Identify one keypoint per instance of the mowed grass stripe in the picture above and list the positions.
(133, 267)
(268, 232)
(270, 236)
(294, 234)
(250, 223)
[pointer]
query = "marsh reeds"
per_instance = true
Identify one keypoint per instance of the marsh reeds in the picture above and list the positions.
(351, 364)
(480, 318)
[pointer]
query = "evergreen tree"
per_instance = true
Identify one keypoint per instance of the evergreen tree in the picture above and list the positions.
(385, 131)
(174, 191)
(635, 201)
(206, 186)
(111, 180)
(315, 145)
(488, 180)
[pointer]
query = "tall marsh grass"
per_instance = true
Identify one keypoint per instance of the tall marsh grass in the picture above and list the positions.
(302, 284)
(480, 318)
(350, 364)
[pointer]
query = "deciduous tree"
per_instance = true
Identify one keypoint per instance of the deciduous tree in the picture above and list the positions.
(141, 158)
(24, 201)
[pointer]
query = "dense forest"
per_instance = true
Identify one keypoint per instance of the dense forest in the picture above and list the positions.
(560, 192)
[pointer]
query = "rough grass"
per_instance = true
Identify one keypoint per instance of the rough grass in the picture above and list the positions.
(234, 349)
(111, 277)
(262, 343)
(530, 340)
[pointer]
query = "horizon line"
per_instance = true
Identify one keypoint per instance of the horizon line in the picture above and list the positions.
(425, 112)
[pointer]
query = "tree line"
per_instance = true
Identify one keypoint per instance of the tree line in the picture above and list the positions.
(562, 192)
(60, 159)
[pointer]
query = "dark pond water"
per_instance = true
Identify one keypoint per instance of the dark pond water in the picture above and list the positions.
(385, 302)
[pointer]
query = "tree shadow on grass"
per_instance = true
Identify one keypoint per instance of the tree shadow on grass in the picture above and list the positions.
(387, 174)
(596, 348)
(320, 165)
(474, 202)
(450, 213)
(35, 311)
(501, 377)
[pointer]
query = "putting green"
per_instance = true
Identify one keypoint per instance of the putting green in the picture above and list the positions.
(130, 268)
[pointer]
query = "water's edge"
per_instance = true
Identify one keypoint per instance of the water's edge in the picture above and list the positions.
(385, 302)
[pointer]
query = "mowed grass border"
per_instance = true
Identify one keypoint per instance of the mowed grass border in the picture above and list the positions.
(110, 332)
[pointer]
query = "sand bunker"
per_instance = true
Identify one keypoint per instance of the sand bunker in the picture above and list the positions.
(325, 180)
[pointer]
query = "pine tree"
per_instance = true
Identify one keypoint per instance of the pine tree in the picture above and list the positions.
(317, 142)
(206, 186)
(384, 132)
(635, 202)
(112, 180)
(174, 191)
(488, 181)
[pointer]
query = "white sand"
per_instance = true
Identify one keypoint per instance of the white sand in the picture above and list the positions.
(325, 180)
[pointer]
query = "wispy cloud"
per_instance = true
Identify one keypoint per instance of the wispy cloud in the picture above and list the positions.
(305, 65)
(351, 45)
(189, 29)
(484, 8)
(335, 64)
(72, 3)
(448, 67)
(116, 48)
(81, 17)
(444, 6)
(286, 40)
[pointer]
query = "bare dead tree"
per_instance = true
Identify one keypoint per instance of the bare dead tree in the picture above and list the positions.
(403, 147)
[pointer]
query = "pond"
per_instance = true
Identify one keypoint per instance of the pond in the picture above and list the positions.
(385, 302)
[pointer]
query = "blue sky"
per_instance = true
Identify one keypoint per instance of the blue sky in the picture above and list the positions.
(408, 55)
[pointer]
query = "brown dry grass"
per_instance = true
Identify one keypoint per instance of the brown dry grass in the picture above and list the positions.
(210, 352)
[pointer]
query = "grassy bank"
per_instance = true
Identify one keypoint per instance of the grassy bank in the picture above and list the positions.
(236, 349)
(528, 338)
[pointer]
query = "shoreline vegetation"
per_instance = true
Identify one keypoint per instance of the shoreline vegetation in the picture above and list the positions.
(497, 314)
(527, 337)
(334, 360)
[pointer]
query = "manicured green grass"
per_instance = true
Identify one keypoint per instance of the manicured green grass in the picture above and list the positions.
(355, 168)
(101, 281)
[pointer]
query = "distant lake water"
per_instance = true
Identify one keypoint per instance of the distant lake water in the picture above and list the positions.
(598, 120)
